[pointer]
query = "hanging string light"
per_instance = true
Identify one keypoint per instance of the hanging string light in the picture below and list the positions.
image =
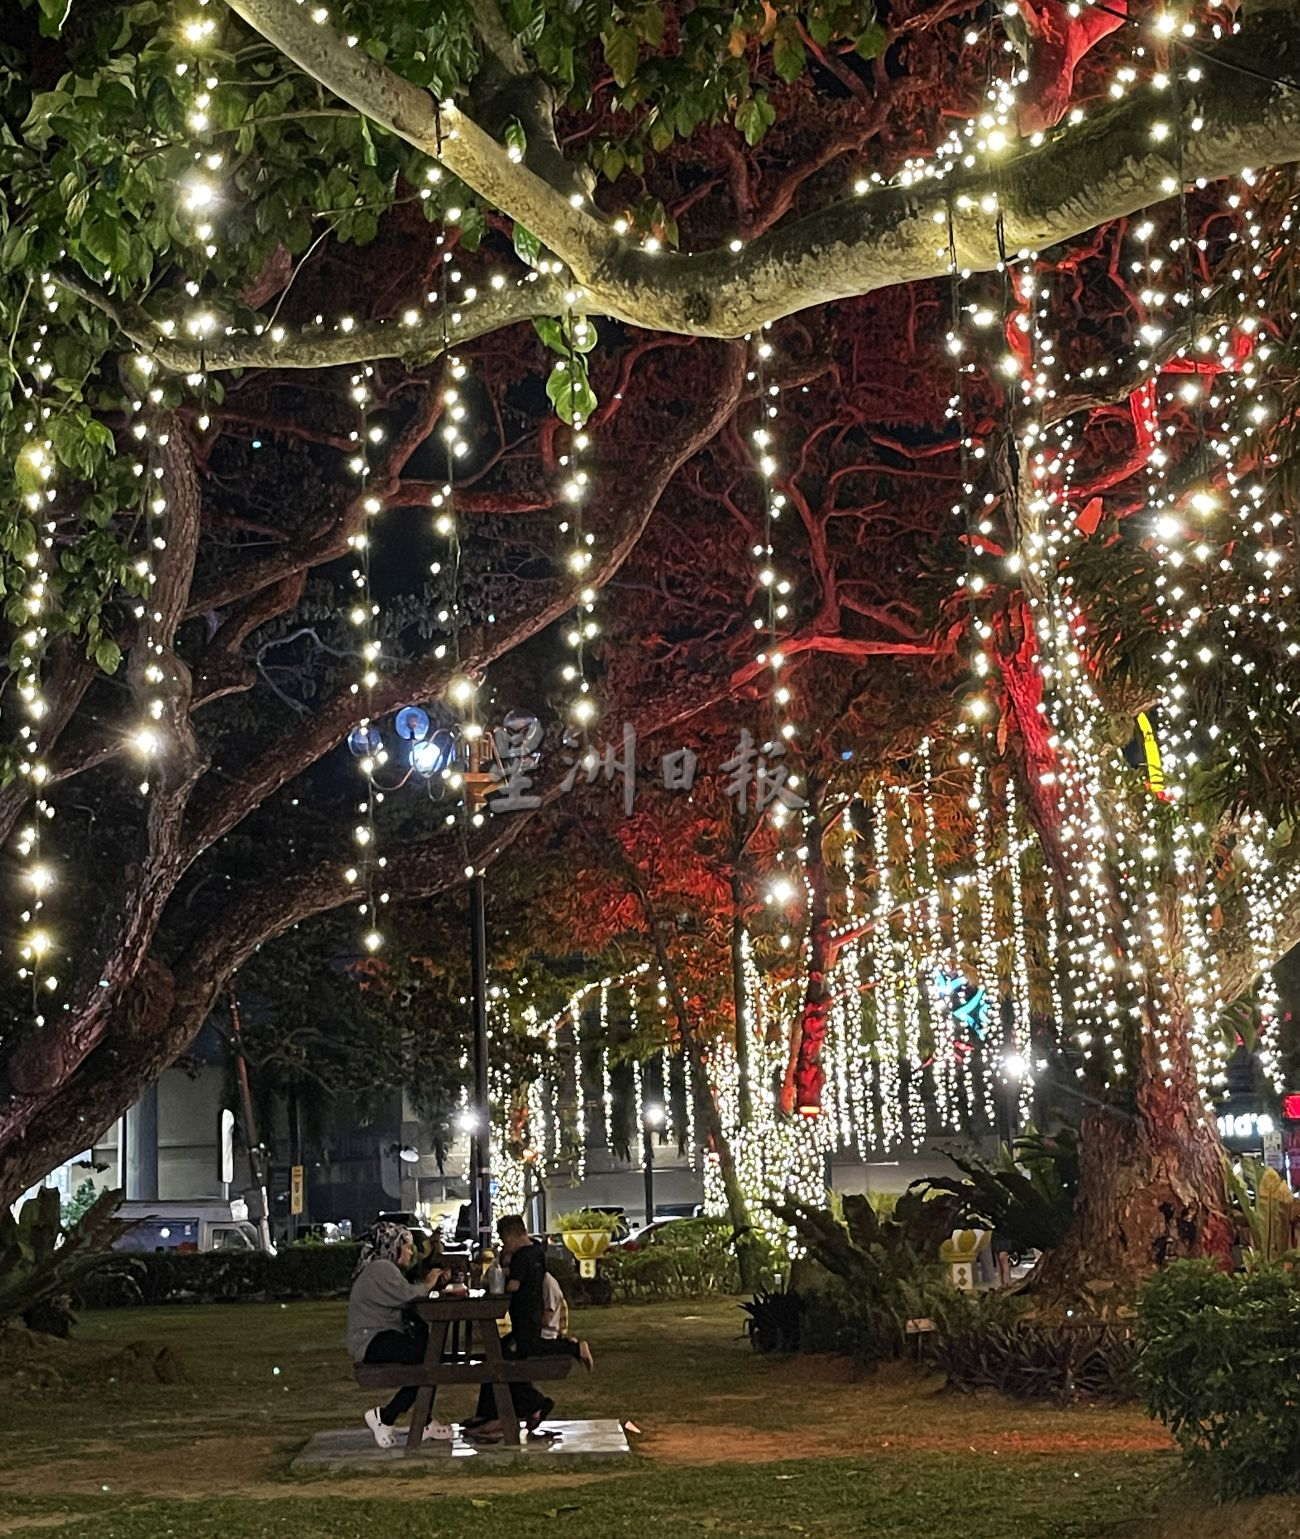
(36, 524)
(581, 627)
(366, 740)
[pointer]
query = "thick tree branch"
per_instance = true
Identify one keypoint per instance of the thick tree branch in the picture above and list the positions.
(442, 130)
(110, 966)
(414, 343)
(328, 537)
(69, 680)
(631, 495)
(1081, 176)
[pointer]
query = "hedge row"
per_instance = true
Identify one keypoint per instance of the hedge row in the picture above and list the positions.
(174, 1277)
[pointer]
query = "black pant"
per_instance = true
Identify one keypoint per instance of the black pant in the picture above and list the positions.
(527, 1398)
(407, 1346)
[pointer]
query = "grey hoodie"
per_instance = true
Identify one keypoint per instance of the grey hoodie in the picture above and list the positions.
(377, 1303)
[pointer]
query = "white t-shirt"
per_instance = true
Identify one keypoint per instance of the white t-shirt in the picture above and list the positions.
(552, 1307)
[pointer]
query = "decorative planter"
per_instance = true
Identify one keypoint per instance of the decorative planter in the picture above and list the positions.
(588, 1245)
(960, 1252)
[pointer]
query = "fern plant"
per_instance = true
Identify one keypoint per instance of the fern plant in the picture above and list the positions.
(883, 1272)
(1027, 1195)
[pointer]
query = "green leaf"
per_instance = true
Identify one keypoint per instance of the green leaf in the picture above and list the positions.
(649, 25)
(106, 239)
(108, 655)
(473, 227)
(527, 246)
(53, 15)
(580, 334)
(13, 251)
(621, 53)
(164, 108)
(575, 335)
(787, 51)
(368, 144)
(871, 43)
(551, 332)
(570, 391)
(754, 117)
(515, 137)
(44, 106)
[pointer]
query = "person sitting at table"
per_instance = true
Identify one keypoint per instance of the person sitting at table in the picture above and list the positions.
(555, 1312)
(525, 1261)
(379, 1328)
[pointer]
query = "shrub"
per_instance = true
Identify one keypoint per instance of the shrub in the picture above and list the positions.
(168, 1277)
(1039, 1360)
(1219, 1366)
(689, 1258)
(836, 1319)
(1268, 1212)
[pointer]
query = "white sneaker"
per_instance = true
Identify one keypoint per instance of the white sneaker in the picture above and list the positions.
(384, 1436)
(438, 1432)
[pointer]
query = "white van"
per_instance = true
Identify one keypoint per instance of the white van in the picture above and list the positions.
(194, 1224)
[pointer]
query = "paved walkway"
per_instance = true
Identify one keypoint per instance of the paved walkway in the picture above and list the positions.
(356, 1449)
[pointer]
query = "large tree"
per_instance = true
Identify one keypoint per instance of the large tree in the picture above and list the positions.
(201, 188)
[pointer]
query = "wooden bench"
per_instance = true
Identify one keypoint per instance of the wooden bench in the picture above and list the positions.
(463, 1365)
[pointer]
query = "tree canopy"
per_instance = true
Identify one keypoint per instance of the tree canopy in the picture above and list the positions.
(282, 454)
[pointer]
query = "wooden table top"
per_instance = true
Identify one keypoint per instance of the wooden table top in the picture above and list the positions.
(472, 1306)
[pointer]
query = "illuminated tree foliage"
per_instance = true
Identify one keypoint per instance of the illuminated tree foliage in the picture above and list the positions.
(241, 248)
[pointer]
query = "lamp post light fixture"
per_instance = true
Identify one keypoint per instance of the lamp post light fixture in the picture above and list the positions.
(652, 1119)
(471, 762)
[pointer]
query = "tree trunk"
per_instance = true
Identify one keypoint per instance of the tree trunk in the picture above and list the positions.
(1151, 1186)
(739, 996)
(149, 1028)
(805, 1078)
(747, 1252)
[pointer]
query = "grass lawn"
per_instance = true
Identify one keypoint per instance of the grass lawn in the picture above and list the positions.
(729, 1444)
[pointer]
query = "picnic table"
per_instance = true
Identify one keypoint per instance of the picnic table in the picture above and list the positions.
(452, 1357)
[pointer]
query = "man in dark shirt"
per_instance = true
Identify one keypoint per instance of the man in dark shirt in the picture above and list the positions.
(525, 1262)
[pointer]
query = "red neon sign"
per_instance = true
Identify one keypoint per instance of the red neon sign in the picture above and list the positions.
(1291, 1107)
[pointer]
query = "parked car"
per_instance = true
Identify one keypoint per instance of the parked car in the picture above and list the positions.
(194, 1224)
(325, 1234)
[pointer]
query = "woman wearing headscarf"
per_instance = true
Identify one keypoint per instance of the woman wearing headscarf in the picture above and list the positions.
(379, 1328)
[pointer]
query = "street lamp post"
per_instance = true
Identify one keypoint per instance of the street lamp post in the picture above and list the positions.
(480, 1145)
(475, 763)
(652, 1118)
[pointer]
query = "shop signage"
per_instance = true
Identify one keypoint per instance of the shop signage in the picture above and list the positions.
(1245, 1125)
